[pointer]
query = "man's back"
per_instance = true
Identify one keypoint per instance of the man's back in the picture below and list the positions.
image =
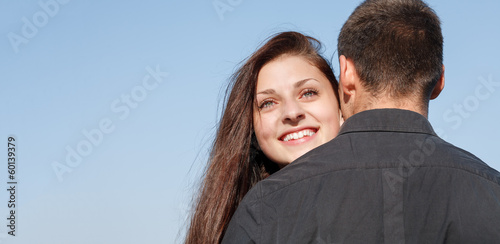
(387, 178)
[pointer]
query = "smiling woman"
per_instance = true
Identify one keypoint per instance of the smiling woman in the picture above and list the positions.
(297, 109)
(282, 103)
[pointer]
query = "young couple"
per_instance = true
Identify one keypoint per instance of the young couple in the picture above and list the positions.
(385, 178)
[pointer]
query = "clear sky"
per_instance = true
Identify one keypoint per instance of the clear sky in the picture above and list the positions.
(113, 104)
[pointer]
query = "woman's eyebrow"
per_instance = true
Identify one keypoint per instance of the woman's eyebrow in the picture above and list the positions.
(267, 92)
(302, 82)
(296, 85)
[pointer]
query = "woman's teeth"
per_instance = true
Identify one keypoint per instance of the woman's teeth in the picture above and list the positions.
(298, 135)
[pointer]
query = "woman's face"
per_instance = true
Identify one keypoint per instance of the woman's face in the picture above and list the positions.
(296, 109)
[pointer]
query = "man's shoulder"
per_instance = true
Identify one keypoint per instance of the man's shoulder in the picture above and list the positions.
(337, 156)
(453, 157)
(322, 161)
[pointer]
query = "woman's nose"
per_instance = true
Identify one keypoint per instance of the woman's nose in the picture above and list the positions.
(292, 112)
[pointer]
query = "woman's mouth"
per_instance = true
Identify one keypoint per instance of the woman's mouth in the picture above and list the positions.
(298, 135)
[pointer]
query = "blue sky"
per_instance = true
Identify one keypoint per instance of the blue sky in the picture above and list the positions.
(114, 104)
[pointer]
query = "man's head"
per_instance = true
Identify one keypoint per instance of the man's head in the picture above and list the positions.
(391, 55)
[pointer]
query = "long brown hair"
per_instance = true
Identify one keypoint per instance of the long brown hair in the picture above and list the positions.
(236, 162)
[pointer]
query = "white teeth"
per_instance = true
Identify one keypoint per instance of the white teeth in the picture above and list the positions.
(298, 135)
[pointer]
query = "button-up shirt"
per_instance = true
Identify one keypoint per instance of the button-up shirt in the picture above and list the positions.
(386, 178)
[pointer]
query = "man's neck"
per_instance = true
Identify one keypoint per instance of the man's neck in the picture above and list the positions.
(406, 104)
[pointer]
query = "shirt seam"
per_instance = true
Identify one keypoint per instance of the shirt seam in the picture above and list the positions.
(385, 129)
(372, 168)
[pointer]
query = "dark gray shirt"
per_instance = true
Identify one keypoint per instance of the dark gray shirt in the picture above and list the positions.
(386, 178)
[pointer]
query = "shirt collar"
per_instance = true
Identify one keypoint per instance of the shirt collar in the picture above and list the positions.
(395, 120)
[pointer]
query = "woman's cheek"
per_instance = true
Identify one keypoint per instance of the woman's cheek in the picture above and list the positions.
(265, 127)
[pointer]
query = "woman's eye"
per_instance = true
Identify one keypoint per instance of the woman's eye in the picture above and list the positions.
(309, 93)
(266, 104)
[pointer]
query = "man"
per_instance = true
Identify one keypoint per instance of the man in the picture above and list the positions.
(387, 177)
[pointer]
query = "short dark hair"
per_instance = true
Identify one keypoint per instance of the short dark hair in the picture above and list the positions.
(396, 47)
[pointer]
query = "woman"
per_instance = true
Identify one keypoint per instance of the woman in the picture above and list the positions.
(283, 103)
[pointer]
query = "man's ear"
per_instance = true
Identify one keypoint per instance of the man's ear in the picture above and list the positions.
(347, 76)
(341, 118)
(439, 86)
